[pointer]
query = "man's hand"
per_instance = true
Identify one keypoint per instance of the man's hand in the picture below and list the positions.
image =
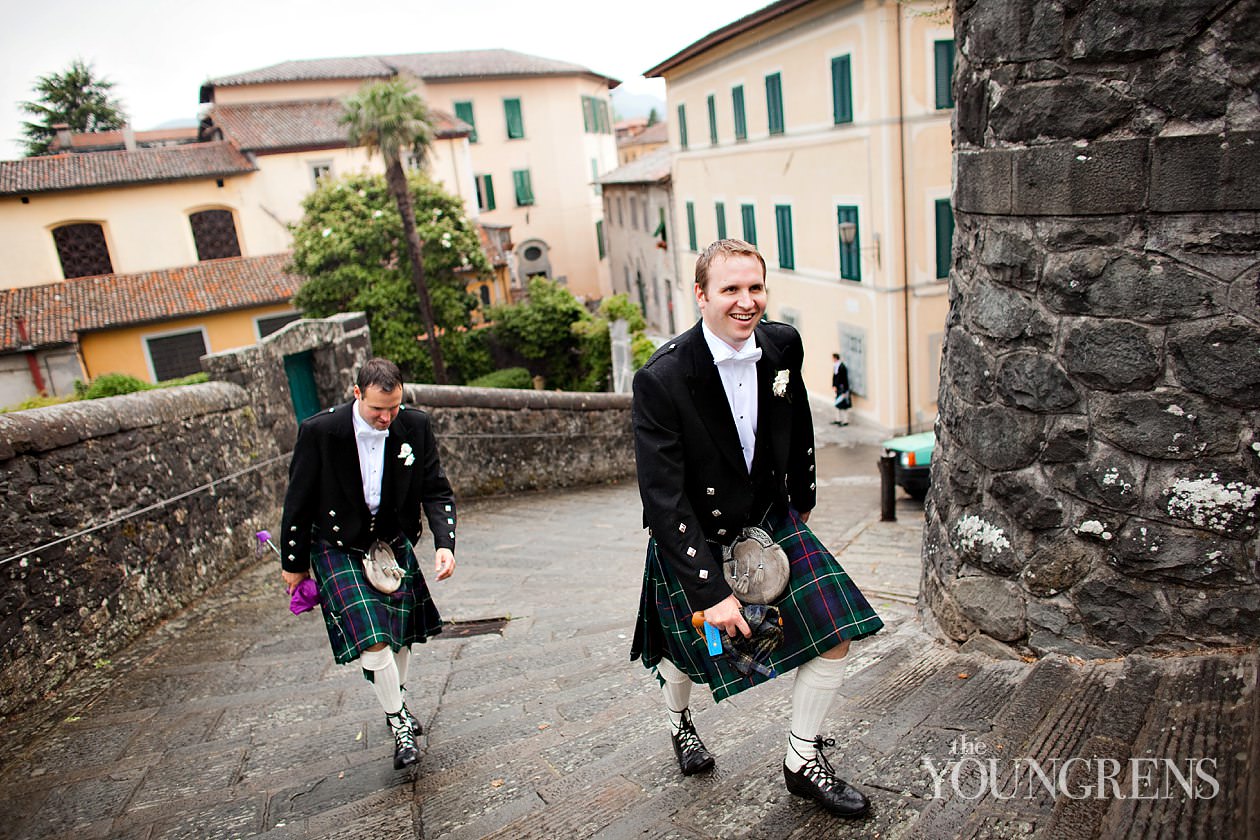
(725, 616)
(444, 563)
(292, 579)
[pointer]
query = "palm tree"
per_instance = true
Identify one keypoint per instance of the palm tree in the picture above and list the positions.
(390, 118)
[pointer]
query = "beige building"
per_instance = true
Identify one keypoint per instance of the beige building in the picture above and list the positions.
(648, 139)
(640, 233)
(541, 134)
(820, 131)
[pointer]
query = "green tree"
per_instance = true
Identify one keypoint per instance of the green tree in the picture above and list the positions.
(652, 118)
(351, 246)
(390, 118)
(78, 97)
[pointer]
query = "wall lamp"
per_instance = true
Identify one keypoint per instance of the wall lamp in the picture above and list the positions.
(848, 235)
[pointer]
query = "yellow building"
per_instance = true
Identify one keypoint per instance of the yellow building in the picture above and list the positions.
(541, 133)
(820, 131)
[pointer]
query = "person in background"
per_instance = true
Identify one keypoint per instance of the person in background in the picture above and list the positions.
(840, 385)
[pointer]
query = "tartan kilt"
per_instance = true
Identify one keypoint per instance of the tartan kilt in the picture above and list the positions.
(820, 608)
(358, 616)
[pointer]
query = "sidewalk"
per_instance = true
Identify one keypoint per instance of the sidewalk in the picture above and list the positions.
(232, 721)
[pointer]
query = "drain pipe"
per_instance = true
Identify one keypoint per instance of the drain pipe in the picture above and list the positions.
(905, 255)
(32, 361)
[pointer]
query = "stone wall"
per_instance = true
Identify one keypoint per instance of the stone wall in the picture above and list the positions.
(501, 441)
(136, 464)
(1097, 476)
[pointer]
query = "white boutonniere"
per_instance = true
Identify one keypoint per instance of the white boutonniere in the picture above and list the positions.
(780, 384)
(404, 452)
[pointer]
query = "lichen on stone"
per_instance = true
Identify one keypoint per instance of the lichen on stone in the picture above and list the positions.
(1209, 502)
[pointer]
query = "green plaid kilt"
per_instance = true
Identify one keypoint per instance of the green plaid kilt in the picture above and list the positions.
(821, 608)
(358, 616)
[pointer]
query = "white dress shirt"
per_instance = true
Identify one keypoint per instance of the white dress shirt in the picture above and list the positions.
(738, 370)
(371, 445)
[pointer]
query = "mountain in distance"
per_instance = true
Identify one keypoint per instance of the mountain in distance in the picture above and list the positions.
(627, 104)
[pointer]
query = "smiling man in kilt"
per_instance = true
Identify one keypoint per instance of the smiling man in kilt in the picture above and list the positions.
(724, 441)
(362, 472)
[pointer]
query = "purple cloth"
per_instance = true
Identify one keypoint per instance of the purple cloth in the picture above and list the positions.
(305, 597)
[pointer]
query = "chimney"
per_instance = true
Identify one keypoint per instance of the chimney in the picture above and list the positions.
(129, 137)
(63, 142)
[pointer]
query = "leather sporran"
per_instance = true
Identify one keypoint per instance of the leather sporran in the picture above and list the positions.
(382, 569)
(756, 567)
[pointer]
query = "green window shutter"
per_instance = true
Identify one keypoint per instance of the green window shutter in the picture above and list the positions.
(691, 225)
(605, 122)
(524, 189)
(774, 103)
(748, 215)
(464, 110)
(587, 116)
(512, 113)
(841, 89)
(599, 237)
(944, 237)
(682, 126)
(944, 74)
(850, 263)
(719, 209)
(660, 227)
(489, 190)
(712, 120)
(783, 226)
(741, 122)
(595, 176)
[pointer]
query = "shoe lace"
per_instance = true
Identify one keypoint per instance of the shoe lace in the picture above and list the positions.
(686, 734)
(817, 768)
(399, 725)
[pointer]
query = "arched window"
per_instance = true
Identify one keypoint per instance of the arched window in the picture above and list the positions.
(82, 249)
(214, 231)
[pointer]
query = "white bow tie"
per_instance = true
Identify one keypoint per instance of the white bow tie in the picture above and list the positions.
(748, 354)
(372, 434)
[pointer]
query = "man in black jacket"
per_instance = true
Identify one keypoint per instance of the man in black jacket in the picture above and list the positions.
(724, 442)
(363, 472)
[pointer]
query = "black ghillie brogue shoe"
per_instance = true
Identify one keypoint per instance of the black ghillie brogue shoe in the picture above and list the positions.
(405, 752)
(416, 730)
(817, 780)
(692, 756)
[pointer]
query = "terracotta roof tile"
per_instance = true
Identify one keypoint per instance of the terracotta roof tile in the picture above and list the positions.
(97, 141)
(302, 124)
(654, 133)
(428, 66)
(56, 311)
(50, 173)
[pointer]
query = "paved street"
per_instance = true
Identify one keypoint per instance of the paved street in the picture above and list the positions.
(230, 720)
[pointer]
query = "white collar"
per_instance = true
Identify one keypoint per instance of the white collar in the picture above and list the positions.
(722, 351)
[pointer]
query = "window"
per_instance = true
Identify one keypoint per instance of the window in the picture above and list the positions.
(741, 122)
(719, 209)
(524, 189)
(774, 103)
(944, 237)
(464, 110)
(595, 116)
(944, 74)
(485, 192)
(659, 233)
(841, 90)
(214, 233)
(512, 114)
(621, 219)
(599, 237)
(319, 171)
(634, 212)
(595, 177)
(82, 250)
(272, 323)
(748, 216)
(691, 225)
(853, 350)
(682, 126)
(712, 120)
(646, 207)
(791, 317)
(783, 228)
(850, 262)
(176, 355)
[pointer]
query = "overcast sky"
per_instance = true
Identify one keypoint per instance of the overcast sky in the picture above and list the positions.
(158, 52)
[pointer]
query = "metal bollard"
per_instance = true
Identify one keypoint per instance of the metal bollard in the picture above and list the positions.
(888, 487)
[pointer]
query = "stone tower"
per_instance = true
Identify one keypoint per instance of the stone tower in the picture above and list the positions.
(1097, 478)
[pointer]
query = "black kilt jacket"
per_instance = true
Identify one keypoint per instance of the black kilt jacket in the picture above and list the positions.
(697, 493)
(325, 496)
